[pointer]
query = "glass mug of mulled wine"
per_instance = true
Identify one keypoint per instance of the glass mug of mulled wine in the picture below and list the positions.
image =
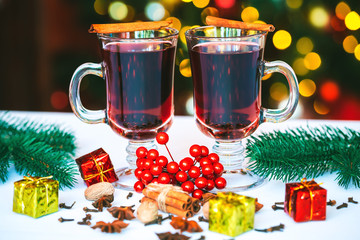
(138, 68)
(227, 67)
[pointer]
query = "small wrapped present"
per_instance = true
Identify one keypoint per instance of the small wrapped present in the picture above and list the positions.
(305, 201)
(36, 196)
(231, 214)
(96, 167)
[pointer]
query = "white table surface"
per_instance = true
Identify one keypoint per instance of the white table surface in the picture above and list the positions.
(339, 224)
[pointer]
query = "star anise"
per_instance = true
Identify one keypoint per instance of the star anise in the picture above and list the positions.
(104, 201)
(122, 213)
(185, 225)
(172, 236)
(115, 226)
(258, 205)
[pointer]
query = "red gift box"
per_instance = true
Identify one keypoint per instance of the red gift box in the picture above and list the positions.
(305, 201)
(96, 167)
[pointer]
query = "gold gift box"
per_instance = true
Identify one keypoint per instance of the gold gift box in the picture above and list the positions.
(231, 214)
(36, 196)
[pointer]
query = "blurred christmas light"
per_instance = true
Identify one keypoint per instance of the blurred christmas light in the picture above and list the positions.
(182, 33)
(266, 77)
(209, 11)
(304, 45)
(312, 61)
(201, 3)
(259, 21)
(59, 100)
(329, 91)
(299, 67)
(294, 3)
(101, 6)
(357, 52)
(278, 91)
(352, 21)
(321, 108)
(307, 87)
(185, 68)
(341, 10)
(350, 43)
(175, 22)
(187, 1)
(319, 17)
(154, 11)
(337, 24)
(118, 10)
(282, 39)
(131, 14)
(225, 3)
(250, 14)
(189, 106)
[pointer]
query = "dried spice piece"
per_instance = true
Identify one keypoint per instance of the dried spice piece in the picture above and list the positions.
(185, 225)
(351, 200)
(90, 210)
(344, 205)
(205, 210)
(158, 220)
(172, 236)
(129, 195)
(258, 205)
(206, 197)
(115, 226)
(85, 220)
(61, 219)
(122, 213)
(63, 205)
(104, 201)
(202, 237)
(331, 203)
(147, 212)
(202, 219)
(280, 227)
(275, 207)
(98, 190)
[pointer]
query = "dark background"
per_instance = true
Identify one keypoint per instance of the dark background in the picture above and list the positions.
(43, 41)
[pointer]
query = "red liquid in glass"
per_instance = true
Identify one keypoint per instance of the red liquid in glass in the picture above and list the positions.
(139, 87)
(226, 80)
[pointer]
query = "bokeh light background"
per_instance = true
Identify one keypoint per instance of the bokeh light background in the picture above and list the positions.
(320, 39)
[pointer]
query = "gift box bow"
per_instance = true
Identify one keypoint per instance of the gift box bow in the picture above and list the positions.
(100, 169)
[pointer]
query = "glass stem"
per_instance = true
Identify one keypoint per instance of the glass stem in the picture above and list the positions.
(131, 150)
(231, 154)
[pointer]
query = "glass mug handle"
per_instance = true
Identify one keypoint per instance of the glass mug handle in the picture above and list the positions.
(84, 114)
(280, 115)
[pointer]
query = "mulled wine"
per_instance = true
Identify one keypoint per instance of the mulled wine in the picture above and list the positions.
(139, 87)
(226, 77)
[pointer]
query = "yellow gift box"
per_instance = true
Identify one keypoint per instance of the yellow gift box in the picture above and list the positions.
(36, 196)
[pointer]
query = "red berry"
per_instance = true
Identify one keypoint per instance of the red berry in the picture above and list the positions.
(214, 157)
(194, 172)
(187, 186)
(152, 154)
(205, 161)
(141, 152)
(146, 176)
(155, 180)
(186, 163)
(207, 169)
(137, 173)
(204, 151)
(197, 193)
(155, 169)
(195, 150)
(220, 183)
(162, 138)
(140, 163)
(147, 163)
(209, 177)
(161, 161)
(201, 182)
(164, 178)
(218, 168)
(210, 185)
(139, 186)
(172, 167)
(172, 179)
(181, 176)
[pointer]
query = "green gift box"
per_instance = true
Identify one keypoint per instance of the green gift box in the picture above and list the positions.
(36, 196)
(231, 214)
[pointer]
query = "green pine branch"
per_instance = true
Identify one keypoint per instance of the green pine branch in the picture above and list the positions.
(304, 152)
(37, 149)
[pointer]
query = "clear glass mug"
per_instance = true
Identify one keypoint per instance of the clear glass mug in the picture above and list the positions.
(138, 68)
(227, 66)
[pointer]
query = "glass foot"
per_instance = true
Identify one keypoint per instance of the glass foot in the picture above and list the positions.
(237, 176)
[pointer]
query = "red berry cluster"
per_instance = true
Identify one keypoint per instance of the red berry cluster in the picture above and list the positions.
(202, 170)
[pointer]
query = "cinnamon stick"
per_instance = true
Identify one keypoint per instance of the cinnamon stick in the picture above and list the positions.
(222, 22)
(173, 194)
(170, 209)
(177, 203)
(128, 27)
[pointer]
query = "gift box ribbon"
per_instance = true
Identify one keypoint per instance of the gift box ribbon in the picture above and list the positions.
(100, 173)
(308, 185)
